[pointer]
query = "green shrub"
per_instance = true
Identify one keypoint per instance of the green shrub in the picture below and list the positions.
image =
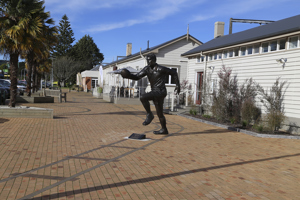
(273, 103)
(193, 111)
(250, 112)
(232, 120)
(100, 89)
(244, 123)
(259, 127)
(230, 96)
(206, 116)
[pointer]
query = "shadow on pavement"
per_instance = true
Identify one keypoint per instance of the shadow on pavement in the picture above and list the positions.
(3, 120)
(154, 178)
(202, 132)
(124, 113)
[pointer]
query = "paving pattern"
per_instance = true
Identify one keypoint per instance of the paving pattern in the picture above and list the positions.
(82, 154)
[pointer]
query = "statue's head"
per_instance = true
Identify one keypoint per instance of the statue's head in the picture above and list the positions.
(151, 59)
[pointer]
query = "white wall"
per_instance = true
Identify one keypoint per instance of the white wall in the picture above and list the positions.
(264, 69)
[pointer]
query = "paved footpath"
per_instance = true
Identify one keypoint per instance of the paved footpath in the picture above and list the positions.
(82, 154)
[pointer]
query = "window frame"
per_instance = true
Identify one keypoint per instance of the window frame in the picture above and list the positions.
(289, 43)
(236, 50)
(278, 44)
(95, 80)
(243, 52)
(262, 48)
(258, 46)
(247, 48)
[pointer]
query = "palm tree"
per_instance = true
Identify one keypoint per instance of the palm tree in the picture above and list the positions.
(40, 50)
(18, 19)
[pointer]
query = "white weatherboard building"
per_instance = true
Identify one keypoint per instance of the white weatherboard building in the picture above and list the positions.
(168, 54)
(263, 53)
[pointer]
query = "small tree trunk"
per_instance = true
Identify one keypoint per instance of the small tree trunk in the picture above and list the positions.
(13, 61)
(34, 78)
(29, 61)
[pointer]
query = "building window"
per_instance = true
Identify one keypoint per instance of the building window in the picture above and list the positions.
(293, 42)
(256, 48)
(236, 52)
(264, 47)
(249, 50)
(220, 55)
(202, 58)
(170, 80)
(282, 44)
(243, 51)
(230, 53)
(210, 57)
(94, 83)
(225, 54)
(215, 56)
(273, 46)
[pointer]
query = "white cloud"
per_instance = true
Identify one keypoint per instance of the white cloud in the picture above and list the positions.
(107, 27)
(233, 7)
(154, 11)
(201, 18)
(58, 6)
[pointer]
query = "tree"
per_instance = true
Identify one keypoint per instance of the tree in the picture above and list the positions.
(64, 67)
(65, 38)
(272, 100)
(42, 44)
(86, 51)
(18, 19)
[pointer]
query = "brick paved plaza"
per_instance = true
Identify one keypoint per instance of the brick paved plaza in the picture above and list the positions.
(82, 154)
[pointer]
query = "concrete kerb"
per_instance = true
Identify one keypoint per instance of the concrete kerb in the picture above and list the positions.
(241, 130)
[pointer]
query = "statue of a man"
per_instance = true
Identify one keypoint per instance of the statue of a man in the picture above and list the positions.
(157, 75)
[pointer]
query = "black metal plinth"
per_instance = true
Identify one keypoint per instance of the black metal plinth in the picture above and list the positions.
(137, 136)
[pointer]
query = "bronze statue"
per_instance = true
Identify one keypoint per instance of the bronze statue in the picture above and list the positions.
(156, 75)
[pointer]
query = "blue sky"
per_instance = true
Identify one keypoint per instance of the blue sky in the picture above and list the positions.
(114, 23)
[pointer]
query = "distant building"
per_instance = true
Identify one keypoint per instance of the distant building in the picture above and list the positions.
(168, 55)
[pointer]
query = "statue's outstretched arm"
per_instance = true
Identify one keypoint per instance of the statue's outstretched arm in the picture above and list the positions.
(126, 74)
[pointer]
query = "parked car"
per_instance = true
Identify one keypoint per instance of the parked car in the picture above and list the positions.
(6, 90)
(24, 82)
(48, 84)
(21, 88)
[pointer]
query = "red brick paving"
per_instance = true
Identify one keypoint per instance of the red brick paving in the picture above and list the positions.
(198, 161)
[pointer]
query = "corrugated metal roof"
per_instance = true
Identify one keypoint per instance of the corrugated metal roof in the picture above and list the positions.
(149, 50)
(276, 28)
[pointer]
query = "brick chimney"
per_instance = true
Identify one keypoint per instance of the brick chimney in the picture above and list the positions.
(219, 29)
(128, 49)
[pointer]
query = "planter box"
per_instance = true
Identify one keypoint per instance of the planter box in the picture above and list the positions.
(25, 112)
